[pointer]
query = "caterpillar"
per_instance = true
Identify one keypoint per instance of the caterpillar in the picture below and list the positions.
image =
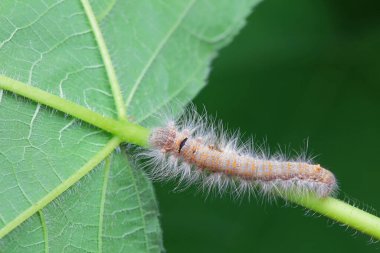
(193, 150)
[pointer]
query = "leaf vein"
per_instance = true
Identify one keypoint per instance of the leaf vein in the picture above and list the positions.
(107, 11)
(32, 121)
(17, 29)
(102, 203)
(134, 182)
(110, 70)
(159, 48)
(44, 230)
(86, 168)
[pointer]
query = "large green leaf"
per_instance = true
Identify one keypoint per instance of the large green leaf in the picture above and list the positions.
(116, 58)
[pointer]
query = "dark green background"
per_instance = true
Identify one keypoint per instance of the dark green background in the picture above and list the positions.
(298, 69)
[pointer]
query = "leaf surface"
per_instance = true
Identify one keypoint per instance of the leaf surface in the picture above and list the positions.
(113, 57)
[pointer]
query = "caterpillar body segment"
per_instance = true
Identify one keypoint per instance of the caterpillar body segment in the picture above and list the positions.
(191, 151)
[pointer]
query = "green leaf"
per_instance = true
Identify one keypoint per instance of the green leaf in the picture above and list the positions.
(90, 217)
(120, 59)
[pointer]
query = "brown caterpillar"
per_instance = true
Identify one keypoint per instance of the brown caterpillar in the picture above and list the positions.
(192, 151)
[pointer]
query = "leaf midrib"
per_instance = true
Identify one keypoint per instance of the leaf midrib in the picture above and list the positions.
(119, 126)
(46, 98)
(125, 130)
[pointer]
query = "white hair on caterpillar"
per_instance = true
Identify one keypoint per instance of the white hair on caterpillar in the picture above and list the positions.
(198, 150)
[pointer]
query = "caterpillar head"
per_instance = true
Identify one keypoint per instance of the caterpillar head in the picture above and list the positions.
(169, 138)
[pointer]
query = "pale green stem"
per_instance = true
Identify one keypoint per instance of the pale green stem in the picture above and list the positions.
(342, 212)
(330, 207)
(126, 131)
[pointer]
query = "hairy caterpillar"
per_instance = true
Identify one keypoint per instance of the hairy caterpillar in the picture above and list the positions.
(193, 150)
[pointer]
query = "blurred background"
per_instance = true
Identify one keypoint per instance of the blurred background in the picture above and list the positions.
(299, 69)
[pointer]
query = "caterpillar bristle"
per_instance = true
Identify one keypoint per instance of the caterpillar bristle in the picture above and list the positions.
(197, 151)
